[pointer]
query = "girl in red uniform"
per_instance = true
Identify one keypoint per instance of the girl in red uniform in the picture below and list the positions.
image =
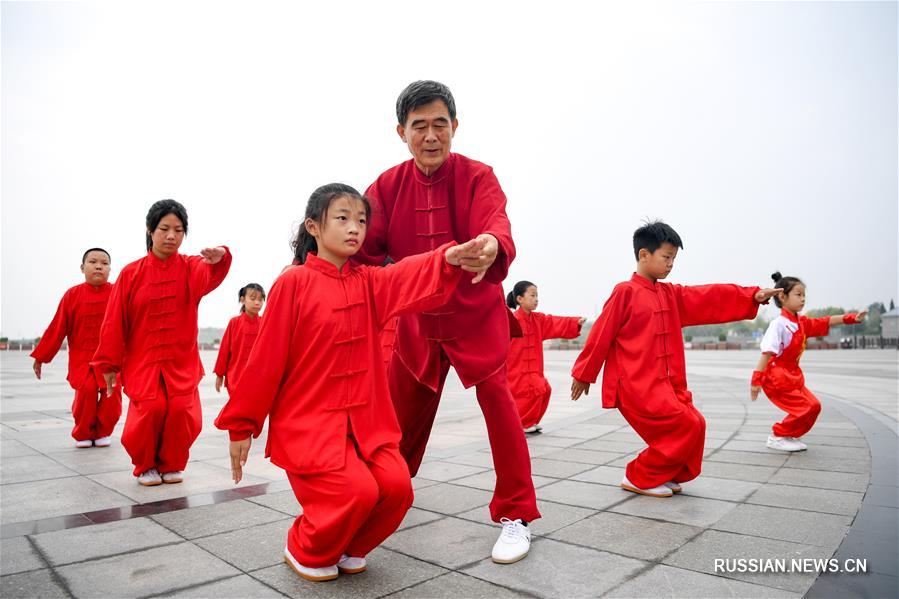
(529, 387)
(149, 334)
(78, 318)
(317, 372)
(778, 372)
(239, 337)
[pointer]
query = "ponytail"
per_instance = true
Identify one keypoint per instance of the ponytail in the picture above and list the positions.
(520, 288)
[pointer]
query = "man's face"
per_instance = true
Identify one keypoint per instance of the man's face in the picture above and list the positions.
(428, 133)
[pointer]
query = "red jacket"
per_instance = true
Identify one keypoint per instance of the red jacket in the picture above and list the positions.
(237, 342)
(317, 369)
(78, 317)
(150, 326)
(412, 213)
(638, 338)
(525, 361)
(785, 340)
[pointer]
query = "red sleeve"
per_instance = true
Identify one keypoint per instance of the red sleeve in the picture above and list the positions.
(602, 335)
(815, 327)
(250, 403)
(714, 304)
(374, 248)
(205, 277)
(559, 327)
(488, 215)
(52, 338)
(414, 284)
(224, 357)
(114, 330)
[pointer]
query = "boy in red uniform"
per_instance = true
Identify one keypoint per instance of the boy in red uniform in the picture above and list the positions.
(529, 386)
(638, 338)
(778, 371)
(149, 334)
(317, 372)
(78, 318)
(239, 337)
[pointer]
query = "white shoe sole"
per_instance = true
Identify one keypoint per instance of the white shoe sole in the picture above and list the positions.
(358, 570)
(511, 561)
(152, 483)
(640, 491)
(173, 482)
(289, 561)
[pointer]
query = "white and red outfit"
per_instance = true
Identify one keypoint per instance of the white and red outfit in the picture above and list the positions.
(238, 340)
(782, 380)
(413, 213)
(529, 386)
(317, 372)
(149, 335)
(78, 318)
(638, 338)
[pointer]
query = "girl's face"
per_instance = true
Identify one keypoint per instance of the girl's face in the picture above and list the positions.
(528, 301)
(167, 236)
(96, 268)
(795, 300)
(252, 302)
(342, 230)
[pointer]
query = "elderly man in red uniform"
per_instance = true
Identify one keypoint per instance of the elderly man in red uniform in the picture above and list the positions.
(437, 197)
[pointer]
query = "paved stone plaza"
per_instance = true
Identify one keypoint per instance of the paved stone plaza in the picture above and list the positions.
(75, 523)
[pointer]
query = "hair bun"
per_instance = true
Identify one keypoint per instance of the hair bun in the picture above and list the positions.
(777, 276)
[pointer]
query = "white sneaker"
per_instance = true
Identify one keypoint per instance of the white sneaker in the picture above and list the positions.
(539, 428)
(171, 478)
(150, 478)
(84, 443)
(513, 543)
(802, 446)
(103, 442)
(532, 429)
(311, 574)
(783, 444)
(675, 487)
(660, 491)
(351, 565)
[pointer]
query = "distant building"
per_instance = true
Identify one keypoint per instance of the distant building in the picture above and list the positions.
(889, 324)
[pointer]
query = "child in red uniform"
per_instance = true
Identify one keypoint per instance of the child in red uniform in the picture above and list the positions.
(529, 387)
(317, 372)
(638, 338)
(239, 337)
(778, 371)
(78, 318)
(149, 334)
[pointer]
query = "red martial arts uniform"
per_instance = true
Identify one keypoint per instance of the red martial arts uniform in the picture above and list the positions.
(529, 387)
(78, 318)
(413, 213)
(782, 380)
(149, 335)
(317, 372)
(238, 340)
(638, 337)
(388, 338)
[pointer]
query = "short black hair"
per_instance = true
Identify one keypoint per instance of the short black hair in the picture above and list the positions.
(652, 235)
(84, 257)
(785, 283)
(160, 210)
(419, 93)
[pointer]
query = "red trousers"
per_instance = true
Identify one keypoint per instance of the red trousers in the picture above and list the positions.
(802, 410)
(94, 412)
(532, 408)
(159, 432)
(676, 444)
(416, 406)
(351, 510)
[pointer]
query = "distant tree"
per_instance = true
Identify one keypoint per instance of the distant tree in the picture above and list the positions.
(216, 341)
(892, 305)
(722, 337)
(828, 311)
(4, 339)
(37, 340)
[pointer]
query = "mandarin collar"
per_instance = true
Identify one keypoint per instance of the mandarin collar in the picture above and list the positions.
(250, 319)
(521, 315)
(437, 176)
(641, 280)
(789, 315)
(325, 267)
(97, 289)
(159, 262)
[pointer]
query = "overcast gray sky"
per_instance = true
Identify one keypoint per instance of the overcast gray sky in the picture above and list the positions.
(765, 133)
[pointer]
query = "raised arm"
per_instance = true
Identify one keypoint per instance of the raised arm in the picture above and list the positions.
(209, 269)
(560, 327)
(714, 304)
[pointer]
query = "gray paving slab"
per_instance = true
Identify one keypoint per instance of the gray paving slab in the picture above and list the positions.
(387, 573)
(552, 517)
(798, 526)
(589, 495)
(822, 479)
(748, 457)
(641, 538)
(13, 448)
(415, 516)
(584, 456)
(555, 468)
(142, 573)
(487, 481)
(32, 467)
(719, 488)
(56, 497)
(250, 548)
(282, 501)
(450, 542)
(663, 581)
(234, 587)
(745, 472)
(576, 571)
(474, 458)
(695, 511)
(604, 475)
(17, 555)
(444, 471)
(610, 446)
(95, 460)
(213, 519)
(454, 585)
(28, 585)
(807, 498)
(450, 499)
(102, 540)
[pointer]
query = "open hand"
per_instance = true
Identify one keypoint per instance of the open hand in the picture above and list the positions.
(212, 255)
(218, 383)
(476, 255)
(763, 295)
(37, 369)
(239, 451)
(581, 320)
(579, 388)
(754, 392)
(860, 317)
(109, 377)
